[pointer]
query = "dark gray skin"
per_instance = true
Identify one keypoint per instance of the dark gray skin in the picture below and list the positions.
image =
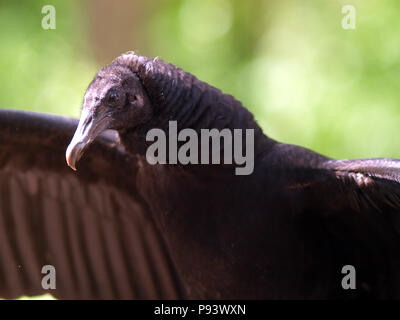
(285, 231)
(114, 100)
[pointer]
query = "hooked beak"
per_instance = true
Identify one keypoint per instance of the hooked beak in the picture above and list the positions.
(88, 129)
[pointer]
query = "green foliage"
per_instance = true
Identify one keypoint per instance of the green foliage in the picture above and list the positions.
(43, 70)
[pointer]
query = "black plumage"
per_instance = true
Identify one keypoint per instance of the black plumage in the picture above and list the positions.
(122, 228)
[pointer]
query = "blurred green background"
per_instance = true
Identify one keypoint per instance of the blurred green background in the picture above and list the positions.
(307, 80)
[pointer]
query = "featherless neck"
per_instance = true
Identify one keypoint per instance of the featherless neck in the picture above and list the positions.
(182, 102)
(209, 126)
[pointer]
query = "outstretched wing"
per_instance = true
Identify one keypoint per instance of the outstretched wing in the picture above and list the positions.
(354, 209)
(91, 225)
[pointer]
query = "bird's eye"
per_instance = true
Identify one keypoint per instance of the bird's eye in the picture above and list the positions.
(113, 97)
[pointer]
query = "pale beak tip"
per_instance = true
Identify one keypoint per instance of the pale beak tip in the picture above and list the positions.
(71, 165)
(70, 156)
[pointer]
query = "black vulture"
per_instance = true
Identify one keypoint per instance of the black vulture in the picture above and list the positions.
(121, 227)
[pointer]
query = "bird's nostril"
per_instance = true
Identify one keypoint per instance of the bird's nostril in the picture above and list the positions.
(87, 123)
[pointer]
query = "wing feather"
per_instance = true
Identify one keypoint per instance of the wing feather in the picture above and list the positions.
(92, 226)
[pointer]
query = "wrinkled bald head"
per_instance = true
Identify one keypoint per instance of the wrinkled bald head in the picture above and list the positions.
(115, 99)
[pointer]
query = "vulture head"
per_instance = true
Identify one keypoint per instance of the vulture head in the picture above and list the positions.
(135, 94)
(116, 100)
